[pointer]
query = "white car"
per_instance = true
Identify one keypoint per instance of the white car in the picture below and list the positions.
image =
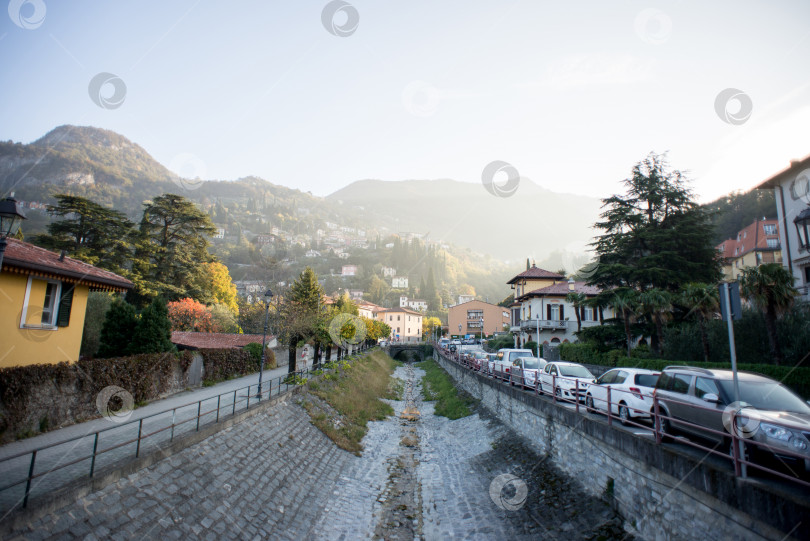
(524, 371)
(631, 392)
(562, 378)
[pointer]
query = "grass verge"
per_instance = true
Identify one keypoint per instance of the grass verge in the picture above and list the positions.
(350, 398)
(437, 385)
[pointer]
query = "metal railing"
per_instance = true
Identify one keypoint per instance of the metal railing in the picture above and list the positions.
(81, 456)
(736, 449)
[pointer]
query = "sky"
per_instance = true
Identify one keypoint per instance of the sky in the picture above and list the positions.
(314, 95)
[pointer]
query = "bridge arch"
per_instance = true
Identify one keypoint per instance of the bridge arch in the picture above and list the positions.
(409, 352)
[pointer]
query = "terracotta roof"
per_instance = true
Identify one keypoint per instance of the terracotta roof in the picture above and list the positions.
(215, 340)
(406, 310)
(536, 272)
(562, 289)
(748, 239)
(24, 258)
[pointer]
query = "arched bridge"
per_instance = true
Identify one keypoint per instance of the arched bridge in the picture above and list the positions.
(409, 352)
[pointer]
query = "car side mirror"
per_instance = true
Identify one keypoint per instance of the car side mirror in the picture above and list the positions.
(711, 397)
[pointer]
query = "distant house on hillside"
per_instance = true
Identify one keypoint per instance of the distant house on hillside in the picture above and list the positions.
(415, 304)
(312, 253)
(399, 282)
(348, 270)
(388, 272)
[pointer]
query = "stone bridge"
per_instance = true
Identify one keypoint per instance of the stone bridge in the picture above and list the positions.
(409, 352)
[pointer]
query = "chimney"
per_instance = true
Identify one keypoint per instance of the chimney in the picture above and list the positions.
(571, 284)
(62, 255)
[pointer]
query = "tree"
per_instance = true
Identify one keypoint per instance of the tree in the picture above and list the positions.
(657, 305)
(300, 312)
(220, 286)
(189, 315)
(116, 332)
(153, 333)
(173, 247)
(625, 302)
(223, 319)
(508, 301)
(770, 288)
(89, 232)
(429, 324)
(98, 304)
(703, 300)
(577, 300)
(655, 235)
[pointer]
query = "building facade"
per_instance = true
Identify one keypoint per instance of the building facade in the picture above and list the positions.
(753, 245)
(791, 189)
(44, 300)
(474, 316)
(406, 324)
(399, 282)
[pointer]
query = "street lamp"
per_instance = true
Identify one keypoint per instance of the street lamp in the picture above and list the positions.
(802, 223)
(482, 329)
(11, 217)
(268, 296)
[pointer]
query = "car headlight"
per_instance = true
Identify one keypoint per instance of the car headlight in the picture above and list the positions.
(799, 444)
(776, 432)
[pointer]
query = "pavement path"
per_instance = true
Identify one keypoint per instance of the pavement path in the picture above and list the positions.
(79, 439)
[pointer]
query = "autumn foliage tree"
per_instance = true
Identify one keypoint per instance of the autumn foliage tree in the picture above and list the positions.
(190, 315)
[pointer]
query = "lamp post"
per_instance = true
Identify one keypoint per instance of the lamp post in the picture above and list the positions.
(268, 296)
(10, 218)
(482, 330)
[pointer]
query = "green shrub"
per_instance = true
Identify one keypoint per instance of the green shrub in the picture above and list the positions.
(532, 345)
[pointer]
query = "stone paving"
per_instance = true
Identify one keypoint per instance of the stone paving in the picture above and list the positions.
(275, 476)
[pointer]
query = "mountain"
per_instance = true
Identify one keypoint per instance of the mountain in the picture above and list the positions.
(552, 228)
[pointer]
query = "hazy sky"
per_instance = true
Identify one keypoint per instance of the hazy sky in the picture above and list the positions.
(572, 94)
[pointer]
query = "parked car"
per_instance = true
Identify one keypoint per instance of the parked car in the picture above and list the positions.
(455, 342)
(774, 415)
(561, 378)
(524, 371)
(480, 360)
(492, 358)
(506, 357)
(631, 392)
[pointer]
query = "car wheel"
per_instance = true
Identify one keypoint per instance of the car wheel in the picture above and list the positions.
(589, 404)
(624, 413)
(666, 426)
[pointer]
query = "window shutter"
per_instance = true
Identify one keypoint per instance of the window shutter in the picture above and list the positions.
(548, 311)
(65, 304)
(562, 312)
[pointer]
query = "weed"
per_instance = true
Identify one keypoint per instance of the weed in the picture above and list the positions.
(437, 385)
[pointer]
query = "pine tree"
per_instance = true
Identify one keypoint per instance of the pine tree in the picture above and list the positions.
(116, 332)
(153, 333)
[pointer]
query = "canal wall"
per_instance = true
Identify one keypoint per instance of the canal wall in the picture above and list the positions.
(663, 493)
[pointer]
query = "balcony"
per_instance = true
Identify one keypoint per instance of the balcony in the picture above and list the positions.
(545, 324)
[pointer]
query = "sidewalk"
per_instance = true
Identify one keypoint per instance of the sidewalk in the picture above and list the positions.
(117, 440)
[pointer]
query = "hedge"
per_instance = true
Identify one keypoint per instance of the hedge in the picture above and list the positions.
(797, 378)
(37, 397)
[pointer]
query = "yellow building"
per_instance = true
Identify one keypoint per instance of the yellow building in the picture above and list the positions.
(754, 245)
(406, 324)
(43, 297)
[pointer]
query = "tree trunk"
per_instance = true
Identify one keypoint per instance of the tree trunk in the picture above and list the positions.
(579, 321)
(328, 352)
(627, 331)
(703, 336)
(658, 337)
(316, 360)
(770, 325)
(292, 354)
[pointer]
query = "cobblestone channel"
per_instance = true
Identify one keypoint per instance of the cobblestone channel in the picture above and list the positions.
(275, 476)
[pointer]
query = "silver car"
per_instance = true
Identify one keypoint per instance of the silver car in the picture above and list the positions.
(698, 402)
(525, 370)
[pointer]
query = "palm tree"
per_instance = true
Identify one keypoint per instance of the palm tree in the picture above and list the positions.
(577, 300)
(703, 300)
(626, 302)
(770, 288)
(657, 304)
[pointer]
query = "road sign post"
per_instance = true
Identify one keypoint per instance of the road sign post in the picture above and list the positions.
(731, 309)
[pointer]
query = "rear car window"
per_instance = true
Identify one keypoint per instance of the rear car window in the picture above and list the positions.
(680, 383)
(646, 380)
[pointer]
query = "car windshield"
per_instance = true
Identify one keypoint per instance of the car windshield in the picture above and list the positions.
(575, 371)
(646, 380)
(529, 364)
(767, 396)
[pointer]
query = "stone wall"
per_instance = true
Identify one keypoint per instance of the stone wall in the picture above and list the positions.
(659, 489)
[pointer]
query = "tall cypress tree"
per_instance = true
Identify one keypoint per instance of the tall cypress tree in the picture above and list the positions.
(116, 332)
(153, 333)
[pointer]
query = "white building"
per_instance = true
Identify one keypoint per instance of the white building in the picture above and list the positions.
(399, 282)
(465, 298)
(414, 304)
(348, 270)
(312, 253)
(791, 188)
(220, 234)
(388, 272)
